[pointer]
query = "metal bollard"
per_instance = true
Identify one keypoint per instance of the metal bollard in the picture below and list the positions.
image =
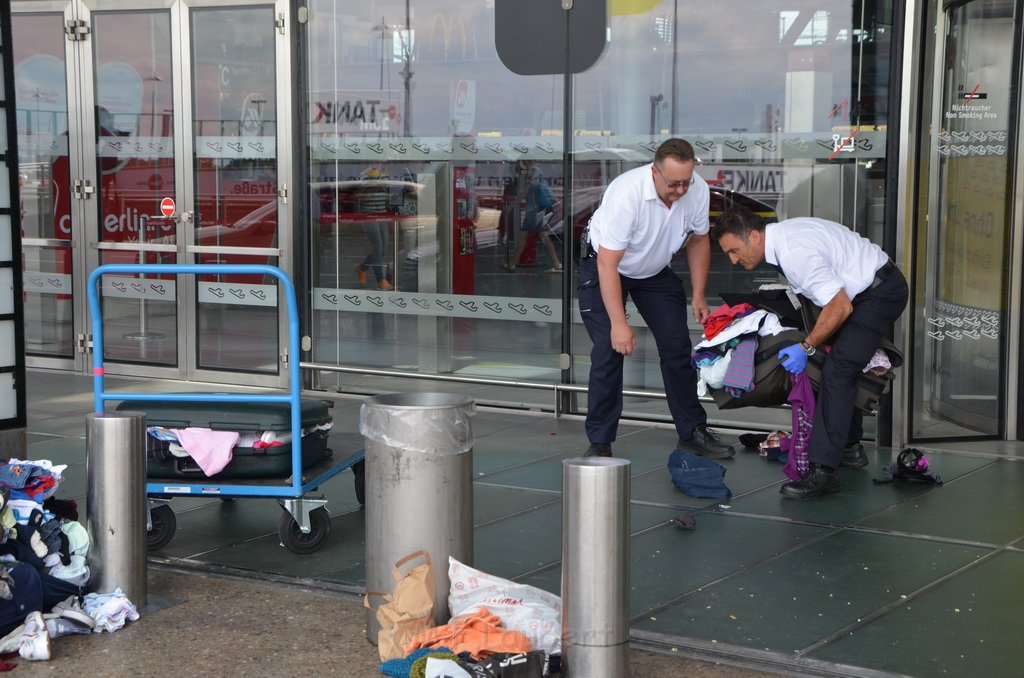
(115, 497)
(419, 488)
(595, 567)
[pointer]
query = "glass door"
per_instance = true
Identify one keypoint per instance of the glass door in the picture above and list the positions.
(236, 191)
(51, 245)
(963, 238)
(148, 134)
(130, 161)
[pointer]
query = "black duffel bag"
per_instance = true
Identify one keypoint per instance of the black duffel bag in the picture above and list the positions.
(771, 380)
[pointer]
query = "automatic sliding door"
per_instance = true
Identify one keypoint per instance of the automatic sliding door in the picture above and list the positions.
(960, 351)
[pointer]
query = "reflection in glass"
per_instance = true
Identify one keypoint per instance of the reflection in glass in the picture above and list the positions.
(235, 169)
(960, 344)
(418, 88)
(788, 116)
(237, 317)
(42, 121)
(139, 314)
(135, 169)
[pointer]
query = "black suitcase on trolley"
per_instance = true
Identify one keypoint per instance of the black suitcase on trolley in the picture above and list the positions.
(243, 417)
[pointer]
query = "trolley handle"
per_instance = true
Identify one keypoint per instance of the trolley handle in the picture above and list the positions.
(295, 395)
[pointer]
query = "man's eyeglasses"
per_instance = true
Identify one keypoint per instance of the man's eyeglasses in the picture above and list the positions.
(674, 184)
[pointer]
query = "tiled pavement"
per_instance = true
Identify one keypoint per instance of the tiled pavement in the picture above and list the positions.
(875, 580)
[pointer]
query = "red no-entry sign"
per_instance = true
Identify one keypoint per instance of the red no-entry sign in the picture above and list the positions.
(167, 207)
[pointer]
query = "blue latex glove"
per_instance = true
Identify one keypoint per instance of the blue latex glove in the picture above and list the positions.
(793, 358)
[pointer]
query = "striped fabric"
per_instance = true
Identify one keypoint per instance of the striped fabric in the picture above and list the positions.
(740, 375)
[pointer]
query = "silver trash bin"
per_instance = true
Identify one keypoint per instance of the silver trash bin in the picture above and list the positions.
(115, 499)
(419, 487)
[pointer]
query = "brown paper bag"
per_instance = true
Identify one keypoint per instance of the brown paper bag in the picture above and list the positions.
(409, 610)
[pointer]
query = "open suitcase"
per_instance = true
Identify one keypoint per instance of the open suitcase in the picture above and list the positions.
(243, 417)
(771, 381)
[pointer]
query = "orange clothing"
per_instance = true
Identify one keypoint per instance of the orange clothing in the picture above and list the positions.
(479, 633)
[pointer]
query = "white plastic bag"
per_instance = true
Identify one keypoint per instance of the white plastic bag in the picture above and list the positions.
(444, 668)
(533, 612)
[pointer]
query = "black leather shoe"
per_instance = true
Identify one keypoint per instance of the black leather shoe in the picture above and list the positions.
(854, 456)
(816, 481)
(599, 450)
(705, 443)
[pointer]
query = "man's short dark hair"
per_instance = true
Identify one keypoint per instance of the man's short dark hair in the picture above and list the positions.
(738, 221)
(680, 149)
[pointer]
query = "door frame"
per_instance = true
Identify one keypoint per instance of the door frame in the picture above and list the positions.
(924, 79)
(82, 154)
(283, 154)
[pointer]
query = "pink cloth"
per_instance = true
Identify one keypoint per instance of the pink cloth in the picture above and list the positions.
(210, 449)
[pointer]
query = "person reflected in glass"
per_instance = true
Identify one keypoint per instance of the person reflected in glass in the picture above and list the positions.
(647, 215)
(374, 200)
(539, 201)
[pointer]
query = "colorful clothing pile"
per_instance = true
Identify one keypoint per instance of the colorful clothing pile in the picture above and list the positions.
(35, 527)
(479, 634)
(724, 358)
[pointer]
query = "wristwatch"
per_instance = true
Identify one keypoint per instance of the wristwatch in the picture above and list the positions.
(808, 349)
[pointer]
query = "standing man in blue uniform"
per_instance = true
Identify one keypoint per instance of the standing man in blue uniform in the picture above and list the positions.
(647, 215)
(861, 294)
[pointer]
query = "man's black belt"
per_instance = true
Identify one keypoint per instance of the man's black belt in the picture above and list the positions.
(586, 250)
(883, 273)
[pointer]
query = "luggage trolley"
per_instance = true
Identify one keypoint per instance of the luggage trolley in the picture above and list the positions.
(305, 522)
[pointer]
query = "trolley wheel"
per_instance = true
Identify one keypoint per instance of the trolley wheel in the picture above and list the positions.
(164, 525)
(295, 540)
(359, 470)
